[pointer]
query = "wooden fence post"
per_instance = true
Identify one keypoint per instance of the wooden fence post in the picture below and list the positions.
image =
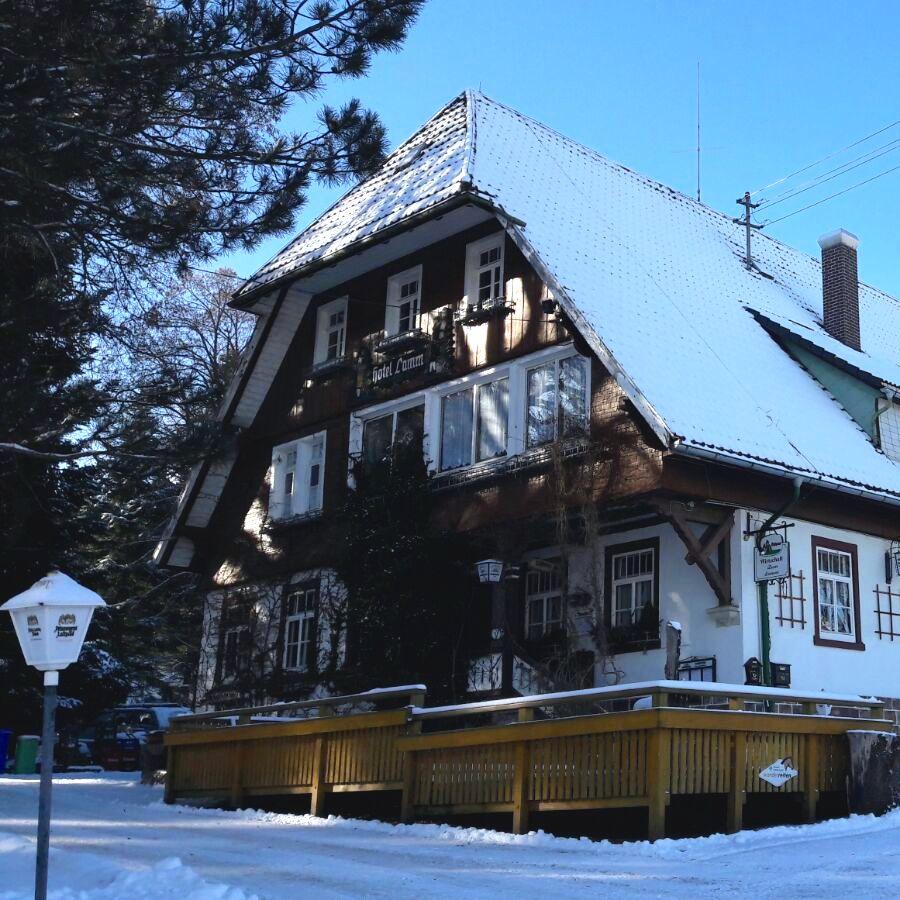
(526, 714)
(169, 795)
(811, 763)
(520, 789)
(237, 791)
(408, 796)
(317, 796)
(659, 762)
(735, 814)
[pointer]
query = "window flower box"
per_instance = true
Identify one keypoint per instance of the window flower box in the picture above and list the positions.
(484, 311)
(330, 368)
(406, 340)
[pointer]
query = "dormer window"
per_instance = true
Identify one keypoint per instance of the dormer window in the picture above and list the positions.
(331, 331)
(484, 270)
(297, 471)
(889, 429)
(403, 301)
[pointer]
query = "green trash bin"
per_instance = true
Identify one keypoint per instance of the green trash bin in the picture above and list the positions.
(26, 754)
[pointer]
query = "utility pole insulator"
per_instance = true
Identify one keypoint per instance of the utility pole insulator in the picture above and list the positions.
(749, 226)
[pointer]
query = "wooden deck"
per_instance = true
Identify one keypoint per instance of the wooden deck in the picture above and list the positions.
(597, 760)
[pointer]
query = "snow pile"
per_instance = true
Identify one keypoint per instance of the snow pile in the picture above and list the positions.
(163, 881)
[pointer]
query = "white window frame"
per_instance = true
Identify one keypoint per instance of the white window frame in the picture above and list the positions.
(556, 412)
(432, 397)
(304, 617)
(324, 331)
(633, 581)
(305, 498)
(474, 268)
(888, 419)
(538, 568)
(395, 301)
(836, 578)
(475, 415)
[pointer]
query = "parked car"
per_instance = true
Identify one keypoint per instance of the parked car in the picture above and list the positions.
(124, 734)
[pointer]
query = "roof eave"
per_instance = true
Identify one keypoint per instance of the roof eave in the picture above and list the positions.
(467, 196)
(771, 468)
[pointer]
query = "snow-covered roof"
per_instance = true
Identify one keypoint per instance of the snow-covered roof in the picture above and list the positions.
(652, 276)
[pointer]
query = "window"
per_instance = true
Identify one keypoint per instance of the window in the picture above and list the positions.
(486, 416)
(556, 401)
(404, 428)
(836, 593)
(632, 583)
(543, 599)
(299, 627)
(474, 424)
(889, 430)
(403, 301)
(236, 637)
(297, 472)
(331, 331)
(484, 270)
(632, 593)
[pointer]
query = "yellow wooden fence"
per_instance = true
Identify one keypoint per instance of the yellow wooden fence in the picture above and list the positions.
(630, 758)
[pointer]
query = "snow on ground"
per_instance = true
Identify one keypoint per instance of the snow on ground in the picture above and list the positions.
(114, 838)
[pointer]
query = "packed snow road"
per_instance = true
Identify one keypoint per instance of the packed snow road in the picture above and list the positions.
(114, 838)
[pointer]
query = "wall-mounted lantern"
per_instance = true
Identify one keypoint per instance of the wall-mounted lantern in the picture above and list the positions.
(489, 570)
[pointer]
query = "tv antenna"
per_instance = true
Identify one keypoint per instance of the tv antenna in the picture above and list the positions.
(698, 130)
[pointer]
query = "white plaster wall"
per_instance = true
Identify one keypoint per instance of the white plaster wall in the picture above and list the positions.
(684, 596)
(875, 670)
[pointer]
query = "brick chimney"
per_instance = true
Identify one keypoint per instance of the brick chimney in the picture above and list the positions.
(840, 286)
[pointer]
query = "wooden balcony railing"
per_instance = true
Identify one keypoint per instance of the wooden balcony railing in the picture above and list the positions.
(628, 746)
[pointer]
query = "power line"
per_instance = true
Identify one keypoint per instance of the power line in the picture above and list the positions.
(831, 155)
(832, 196)
(831, 174)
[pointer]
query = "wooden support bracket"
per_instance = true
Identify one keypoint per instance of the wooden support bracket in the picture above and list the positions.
(699, 549)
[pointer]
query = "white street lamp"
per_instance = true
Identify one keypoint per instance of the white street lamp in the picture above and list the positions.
(51, 620)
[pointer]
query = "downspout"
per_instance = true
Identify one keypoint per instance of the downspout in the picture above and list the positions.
(762, 587)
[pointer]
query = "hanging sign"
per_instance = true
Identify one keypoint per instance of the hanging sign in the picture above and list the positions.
(772, 561)
(779, 773)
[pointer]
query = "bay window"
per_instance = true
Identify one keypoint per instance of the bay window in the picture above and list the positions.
(499, 412)
(297, 471)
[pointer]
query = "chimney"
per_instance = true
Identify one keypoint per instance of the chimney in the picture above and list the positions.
(840, 286)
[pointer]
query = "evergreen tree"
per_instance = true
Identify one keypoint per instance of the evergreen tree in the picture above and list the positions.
(134, 138)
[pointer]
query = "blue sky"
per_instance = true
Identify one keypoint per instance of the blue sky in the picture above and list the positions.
(783, 84)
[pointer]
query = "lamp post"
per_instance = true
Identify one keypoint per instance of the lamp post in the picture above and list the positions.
(51, 620)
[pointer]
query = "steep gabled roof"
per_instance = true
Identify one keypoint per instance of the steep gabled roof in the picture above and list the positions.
(654, 278)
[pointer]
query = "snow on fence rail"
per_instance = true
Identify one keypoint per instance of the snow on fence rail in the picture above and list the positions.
(639, 756)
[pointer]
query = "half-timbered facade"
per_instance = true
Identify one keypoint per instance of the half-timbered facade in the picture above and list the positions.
(605, 391)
